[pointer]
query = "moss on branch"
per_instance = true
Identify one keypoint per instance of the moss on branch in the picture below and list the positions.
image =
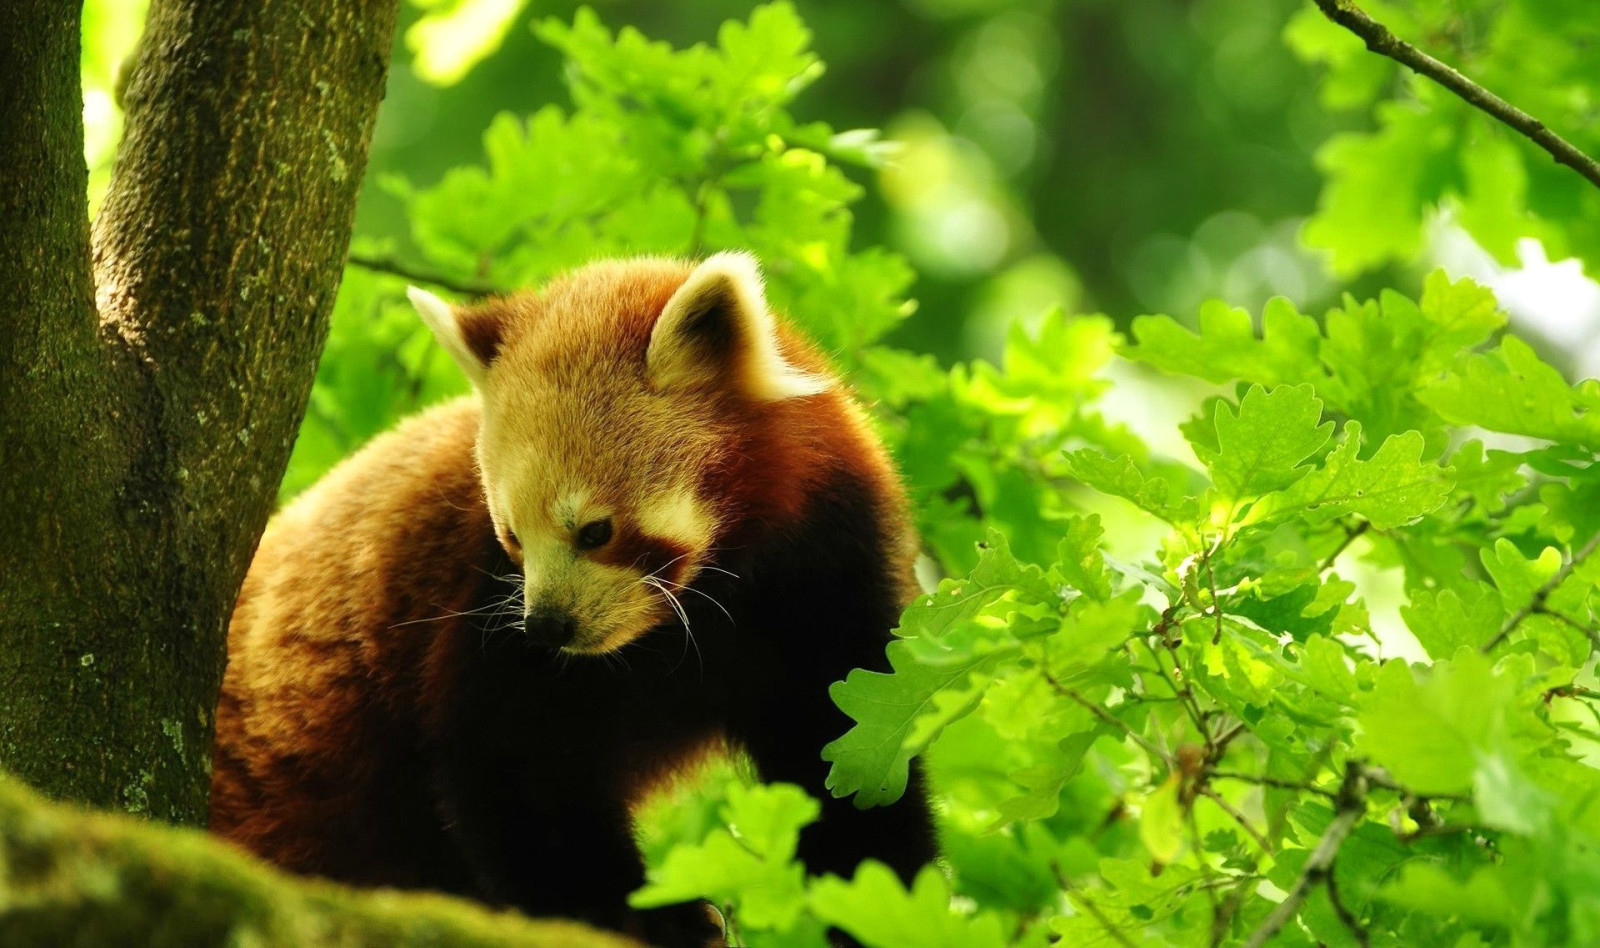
(88, 879)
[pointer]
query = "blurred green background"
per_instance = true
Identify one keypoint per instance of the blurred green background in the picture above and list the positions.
(1115, 156)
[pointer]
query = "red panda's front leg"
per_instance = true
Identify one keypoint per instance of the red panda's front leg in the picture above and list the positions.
(547, 838)
(788, 749)
(824, 603)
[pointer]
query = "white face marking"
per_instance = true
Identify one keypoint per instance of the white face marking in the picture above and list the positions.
(677, 515)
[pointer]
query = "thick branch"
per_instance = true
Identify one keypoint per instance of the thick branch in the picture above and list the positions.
(99, 881)
(63, 449)
(219, 250)
(1381, 41)
(44, 232)
(48, 329)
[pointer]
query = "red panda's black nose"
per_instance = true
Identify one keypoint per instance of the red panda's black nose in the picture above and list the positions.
(551, 629)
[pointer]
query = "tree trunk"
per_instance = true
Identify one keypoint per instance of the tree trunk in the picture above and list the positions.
(152, 378)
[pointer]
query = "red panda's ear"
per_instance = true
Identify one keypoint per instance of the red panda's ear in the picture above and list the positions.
(472, 337)
(716, 330)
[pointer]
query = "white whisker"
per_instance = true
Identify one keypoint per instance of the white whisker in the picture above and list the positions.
(703, 594)
(683, 616)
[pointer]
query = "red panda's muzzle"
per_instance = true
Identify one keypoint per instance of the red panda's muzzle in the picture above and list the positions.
(551, 630)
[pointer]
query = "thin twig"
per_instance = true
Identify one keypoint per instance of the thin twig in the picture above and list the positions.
(1570, 691)
(1536, 604)
(1216, 603)
(1275, 824)
(1184, 695)
(1381, 41)
(1219, 744)
(1443, 829)
(1093, 909)
(414, 275)
(1238, 817)
(1379, 777)
(1357, 930)
(1107, 717)
(1350, 534)
(1352, 806)
(1266, 781)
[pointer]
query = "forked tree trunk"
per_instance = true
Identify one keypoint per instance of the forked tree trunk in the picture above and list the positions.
(153, 374)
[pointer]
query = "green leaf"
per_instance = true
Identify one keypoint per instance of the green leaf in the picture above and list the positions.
(1161, 821)
(1264, 446)
(1122, 478)
(1089, 630)
(1079, 563)
(768, 819)
(1444, 621)
(1393, 488)
(748, 863)
(878, 911)
(1511, 389)
(1517, 577)
(1430, 727)
(1378, 189)
(1429, 889)
(872, 759)
(1226, 347)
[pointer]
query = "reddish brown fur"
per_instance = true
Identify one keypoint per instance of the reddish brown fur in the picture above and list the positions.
(347, 707)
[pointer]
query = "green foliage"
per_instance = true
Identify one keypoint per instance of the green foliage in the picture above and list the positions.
(452, 36)
(1348, 605)
(1127, 750)
(1430, 151)
(676, 152)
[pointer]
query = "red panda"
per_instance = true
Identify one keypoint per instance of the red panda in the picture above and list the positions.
(660, 524)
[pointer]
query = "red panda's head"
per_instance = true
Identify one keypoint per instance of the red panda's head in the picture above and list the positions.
(610, 397)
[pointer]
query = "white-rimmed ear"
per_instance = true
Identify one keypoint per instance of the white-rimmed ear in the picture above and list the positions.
(471, 337)
(716, 330)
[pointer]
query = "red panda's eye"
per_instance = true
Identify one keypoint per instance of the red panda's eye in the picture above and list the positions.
(594, 534)
(512, 541)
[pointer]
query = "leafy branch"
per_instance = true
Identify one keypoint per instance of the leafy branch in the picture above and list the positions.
(1088, 905)
(1383, 42)
(1536, 605)
(1351, 807)
(1275, 782)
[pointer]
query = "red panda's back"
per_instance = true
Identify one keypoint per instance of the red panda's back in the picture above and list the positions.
(330, 643)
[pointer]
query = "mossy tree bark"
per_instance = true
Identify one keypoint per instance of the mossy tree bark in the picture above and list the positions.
(95, 880)
(153, 373)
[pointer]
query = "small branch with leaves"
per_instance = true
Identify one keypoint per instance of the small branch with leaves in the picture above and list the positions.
(1383, 42)
(1537, 604)
(1350, 808)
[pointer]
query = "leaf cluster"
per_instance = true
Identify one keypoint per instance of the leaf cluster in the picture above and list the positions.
(1428, 151)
